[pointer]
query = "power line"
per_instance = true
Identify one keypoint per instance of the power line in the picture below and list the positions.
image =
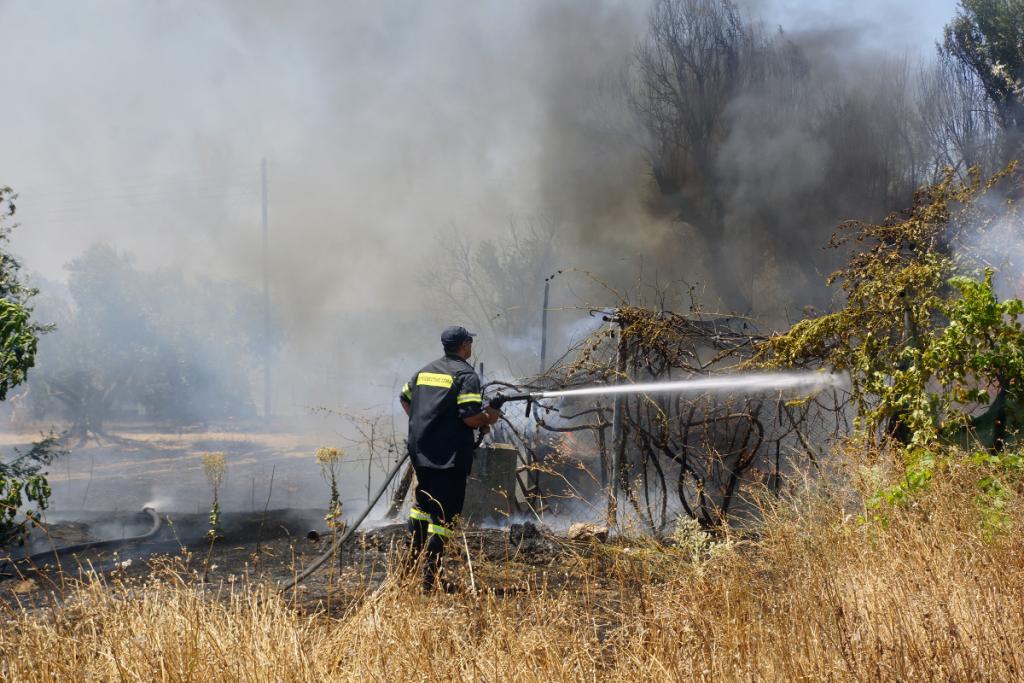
(124, 194)
(47, 189)
(147, 207)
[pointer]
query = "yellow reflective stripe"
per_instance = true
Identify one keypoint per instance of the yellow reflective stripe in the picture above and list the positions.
(434, 379)
(469, 398)
(419, 514)
(438, 530)
(406, 391)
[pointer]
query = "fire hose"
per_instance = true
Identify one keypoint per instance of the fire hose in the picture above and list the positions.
(497, 402)
(340, 540)
(55, 553)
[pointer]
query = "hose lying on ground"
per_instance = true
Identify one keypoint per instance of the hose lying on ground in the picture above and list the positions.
(340, 540)
(55, 552)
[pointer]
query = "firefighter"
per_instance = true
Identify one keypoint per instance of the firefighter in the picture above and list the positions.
(444, 406)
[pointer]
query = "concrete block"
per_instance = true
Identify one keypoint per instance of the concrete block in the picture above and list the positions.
(491, 489)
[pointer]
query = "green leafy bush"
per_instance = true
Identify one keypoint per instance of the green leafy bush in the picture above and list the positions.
(924, 338)
(22, 482)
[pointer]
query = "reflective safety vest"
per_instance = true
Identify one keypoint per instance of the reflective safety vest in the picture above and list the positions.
(440, 396)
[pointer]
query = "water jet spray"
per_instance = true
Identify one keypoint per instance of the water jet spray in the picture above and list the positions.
(747, 383)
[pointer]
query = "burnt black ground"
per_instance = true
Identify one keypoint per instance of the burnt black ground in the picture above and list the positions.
(271, 549)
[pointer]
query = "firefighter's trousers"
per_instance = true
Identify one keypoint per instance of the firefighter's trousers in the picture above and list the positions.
(440, 495)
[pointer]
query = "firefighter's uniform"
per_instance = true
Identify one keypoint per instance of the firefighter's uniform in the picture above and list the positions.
(440, 449)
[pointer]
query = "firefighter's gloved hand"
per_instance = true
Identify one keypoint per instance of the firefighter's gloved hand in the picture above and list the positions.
(493, 414)
(485, 430)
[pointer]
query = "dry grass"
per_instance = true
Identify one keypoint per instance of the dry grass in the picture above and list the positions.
(928, 595)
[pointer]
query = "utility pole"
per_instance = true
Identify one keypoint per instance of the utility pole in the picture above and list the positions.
(266, 292)
(544, 328)
(618, 437)
(533, 475)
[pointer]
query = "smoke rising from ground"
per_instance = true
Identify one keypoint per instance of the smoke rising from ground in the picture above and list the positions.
(143, 124)
(387, 126)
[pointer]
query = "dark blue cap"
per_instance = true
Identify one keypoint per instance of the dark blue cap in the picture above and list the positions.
(455, 335)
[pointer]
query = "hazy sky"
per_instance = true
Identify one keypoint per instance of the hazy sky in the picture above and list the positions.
(910, 26)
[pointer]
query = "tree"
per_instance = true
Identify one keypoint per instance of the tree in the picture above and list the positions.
(957, 120)
(495, 287)
(132, 342)
(696, 57)
(988, 37)
(22, 481)
(94, 360)
(761, 147)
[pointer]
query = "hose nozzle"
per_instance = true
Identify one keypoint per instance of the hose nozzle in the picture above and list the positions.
(501, 399)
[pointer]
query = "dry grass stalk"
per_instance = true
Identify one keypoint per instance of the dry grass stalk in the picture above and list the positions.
(329, 458)
(929, 594)
(214, 466)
